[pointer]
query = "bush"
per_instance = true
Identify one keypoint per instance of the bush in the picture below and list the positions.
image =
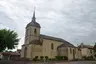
(36, 58)
(88, 58)
(41, 57)
(46, 57)
(95, 55)
(65, 58)
(57, 57)
(50, 59)
(84, 57)
(61, 58)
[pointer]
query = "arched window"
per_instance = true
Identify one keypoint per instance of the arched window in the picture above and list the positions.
(52, 46)
(35, 31)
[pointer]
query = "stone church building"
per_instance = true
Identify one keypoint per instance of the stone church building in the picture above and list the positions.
(37, 44)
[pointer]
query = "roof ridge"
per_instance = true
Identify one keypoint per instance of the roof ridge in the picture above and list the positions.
(54, 38)
(50, 36)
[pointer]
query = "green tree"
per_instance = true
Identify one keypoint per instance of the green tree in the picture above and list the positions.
(8, 39)
(94, 49)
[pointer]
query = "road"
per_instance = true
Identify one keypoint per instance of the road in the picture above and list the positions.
(78, 62)
(73, 62)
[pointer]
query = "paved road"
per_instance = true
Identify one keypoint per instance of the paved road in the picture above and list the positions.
(78, 62)
(75, 62)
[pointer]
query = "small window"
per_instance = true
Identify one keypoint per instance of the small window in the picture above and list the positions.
(52, 46)
(35, 31)
(74, 50)
(70, 50)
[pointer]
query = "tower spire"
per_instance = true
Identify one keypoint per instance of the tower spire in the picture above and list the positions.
(33, 18)
(33, 21)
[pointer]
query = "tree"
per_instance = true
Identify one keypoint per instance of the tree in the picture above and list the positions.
(8, 39)
(94, 48)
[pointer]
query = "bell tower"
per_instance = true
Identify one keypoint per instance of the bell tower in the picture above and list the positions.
(32, 30)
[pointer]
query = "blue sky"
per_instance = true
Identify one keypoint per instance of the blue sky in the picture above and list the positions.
(72, 20)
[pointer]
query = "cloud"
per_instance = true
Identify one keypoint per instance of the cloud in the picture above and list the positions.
(7, 21)
(72, 20)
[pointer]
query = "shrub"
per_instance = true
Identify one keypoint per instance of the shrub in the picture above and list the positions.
(65, 58)
(41, 57)
(36, 58)
(88, 58)
(95, 55)
(46, 57)
(61, 57)
(57, 57)
(84, 57)
(50, 59)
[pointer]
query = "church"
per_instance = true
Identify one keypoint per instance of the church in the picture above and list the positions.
(37, 44)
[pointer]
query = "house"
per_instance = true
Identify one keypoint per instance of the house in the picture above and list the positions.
(18, 51)
(70, 51)
(37, 44)
(10, 55)
(86, 50)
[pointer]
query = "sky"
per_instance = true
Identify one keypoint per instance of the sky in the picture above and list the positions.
(72, 20)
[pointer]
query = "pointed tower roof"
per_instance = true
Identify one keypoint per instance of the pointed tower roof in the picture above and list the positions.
(33, 22)
(33, 18)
